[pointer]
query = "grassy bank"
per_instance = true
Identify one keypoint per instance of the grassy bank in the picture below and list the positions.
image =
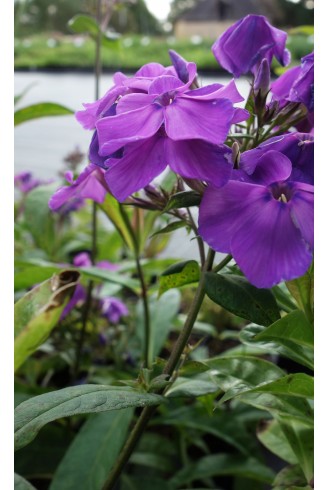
(129, 52)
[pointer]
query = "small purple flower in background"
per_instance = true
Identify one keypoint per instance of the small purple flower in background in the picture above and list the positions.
(83, 259)
(25, 182)
(78, 298)
(242, 46)
(113, 309)
(89, 185)
(266, 223)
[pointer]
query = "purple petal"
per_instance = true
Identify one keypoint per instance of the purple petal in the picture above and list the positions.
(89, 185)
(301, 207)
(197, 159)
(79, 296)
(272, 166)
(150, 70)
(268, 247)
(82, 260)
(180, 65)
(187, 118)
(115, 132)
(132, 102)
(217, 91)
(220, 212)
(164, 84)
(281, 87)
(96, 110)
(140, 164)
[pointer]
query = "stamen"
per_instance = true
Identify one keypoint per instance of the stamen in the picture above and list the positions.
(283, 198)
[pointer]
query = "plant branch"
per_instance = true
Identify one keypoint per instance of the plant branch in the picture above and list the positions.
(169, 368)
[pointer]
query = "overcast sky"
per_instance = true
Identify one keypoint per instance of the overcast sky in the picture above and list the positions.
(160, 8)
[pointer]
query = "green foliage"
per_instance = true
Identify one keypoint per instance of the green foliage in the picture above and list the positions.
(38, 312)
(33, 414)
(240, 297)
(44, 109)
(22, 484)
(179, 275)
(93, 452)
(84, 24)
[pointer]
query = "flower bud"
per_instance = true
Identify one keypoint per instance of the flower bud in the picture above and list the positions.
(262, 79)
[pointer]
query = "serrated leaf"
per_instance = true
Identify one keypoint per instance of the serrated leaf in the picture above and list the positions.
(237, 295)
(184, 199)
(179, 275)
(175, 225)
(38, 312)
(33, 414)
(93, 452)
(22, 484)
(286, 348)
(273, 438)
(43, 109)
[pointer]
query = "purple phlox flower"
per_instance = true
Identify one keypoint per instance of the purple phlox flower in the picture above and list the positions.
(90, 184)
(83, 259)
(266, 224)
(25, 182)
(297, 147)
(171, 125)
(71, 206)
(122, 85)
(242, 46)
(113, 309)
(78, 298)
(296, 84)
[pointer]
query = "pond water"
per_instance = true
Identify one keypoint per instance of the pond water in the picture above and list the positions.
(42, 144)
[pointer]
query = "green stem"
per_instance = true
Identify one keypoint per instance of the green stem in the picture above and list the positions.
(144, 294)
(223, 263)
(200, 242)
(169, 368)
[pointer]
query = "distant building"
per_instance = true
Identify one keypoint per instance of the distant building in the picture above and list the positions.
(210, 18)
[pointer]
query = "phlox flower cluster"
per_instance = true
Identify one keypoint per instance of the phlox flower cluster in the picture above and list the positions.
(258, 205)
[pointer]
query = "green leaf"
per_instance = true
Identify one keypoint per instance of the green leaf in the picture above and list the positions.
(33, 414)
(43, 109)
(222, 464)
(183, 199)
(302, 355)
(300, 435)
(163, 311)
(174, 225)
(240, 375)
(93, 452)
(191, 387)
(290, 478)
(179, 275)
(40, 220)
(273, 438)
(38, 312)
(84, 24)
(113, 210)
(114, 277)
(293, 327)
(18, 98)
(298, 384)
(237, 295)
(144, 483)
(302, 290)
(22, 484)
(29, 276)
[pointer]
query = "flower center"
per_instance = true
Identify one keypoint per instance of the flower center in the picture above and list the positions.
(165, 99)
(282, 191)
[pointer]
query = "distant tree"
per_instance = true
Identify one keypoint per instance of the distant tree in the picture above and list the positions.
(178, 7)
(134, 17)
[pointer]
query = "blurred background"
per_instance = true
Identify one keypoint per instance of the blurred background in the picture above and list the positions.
(55, 58)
